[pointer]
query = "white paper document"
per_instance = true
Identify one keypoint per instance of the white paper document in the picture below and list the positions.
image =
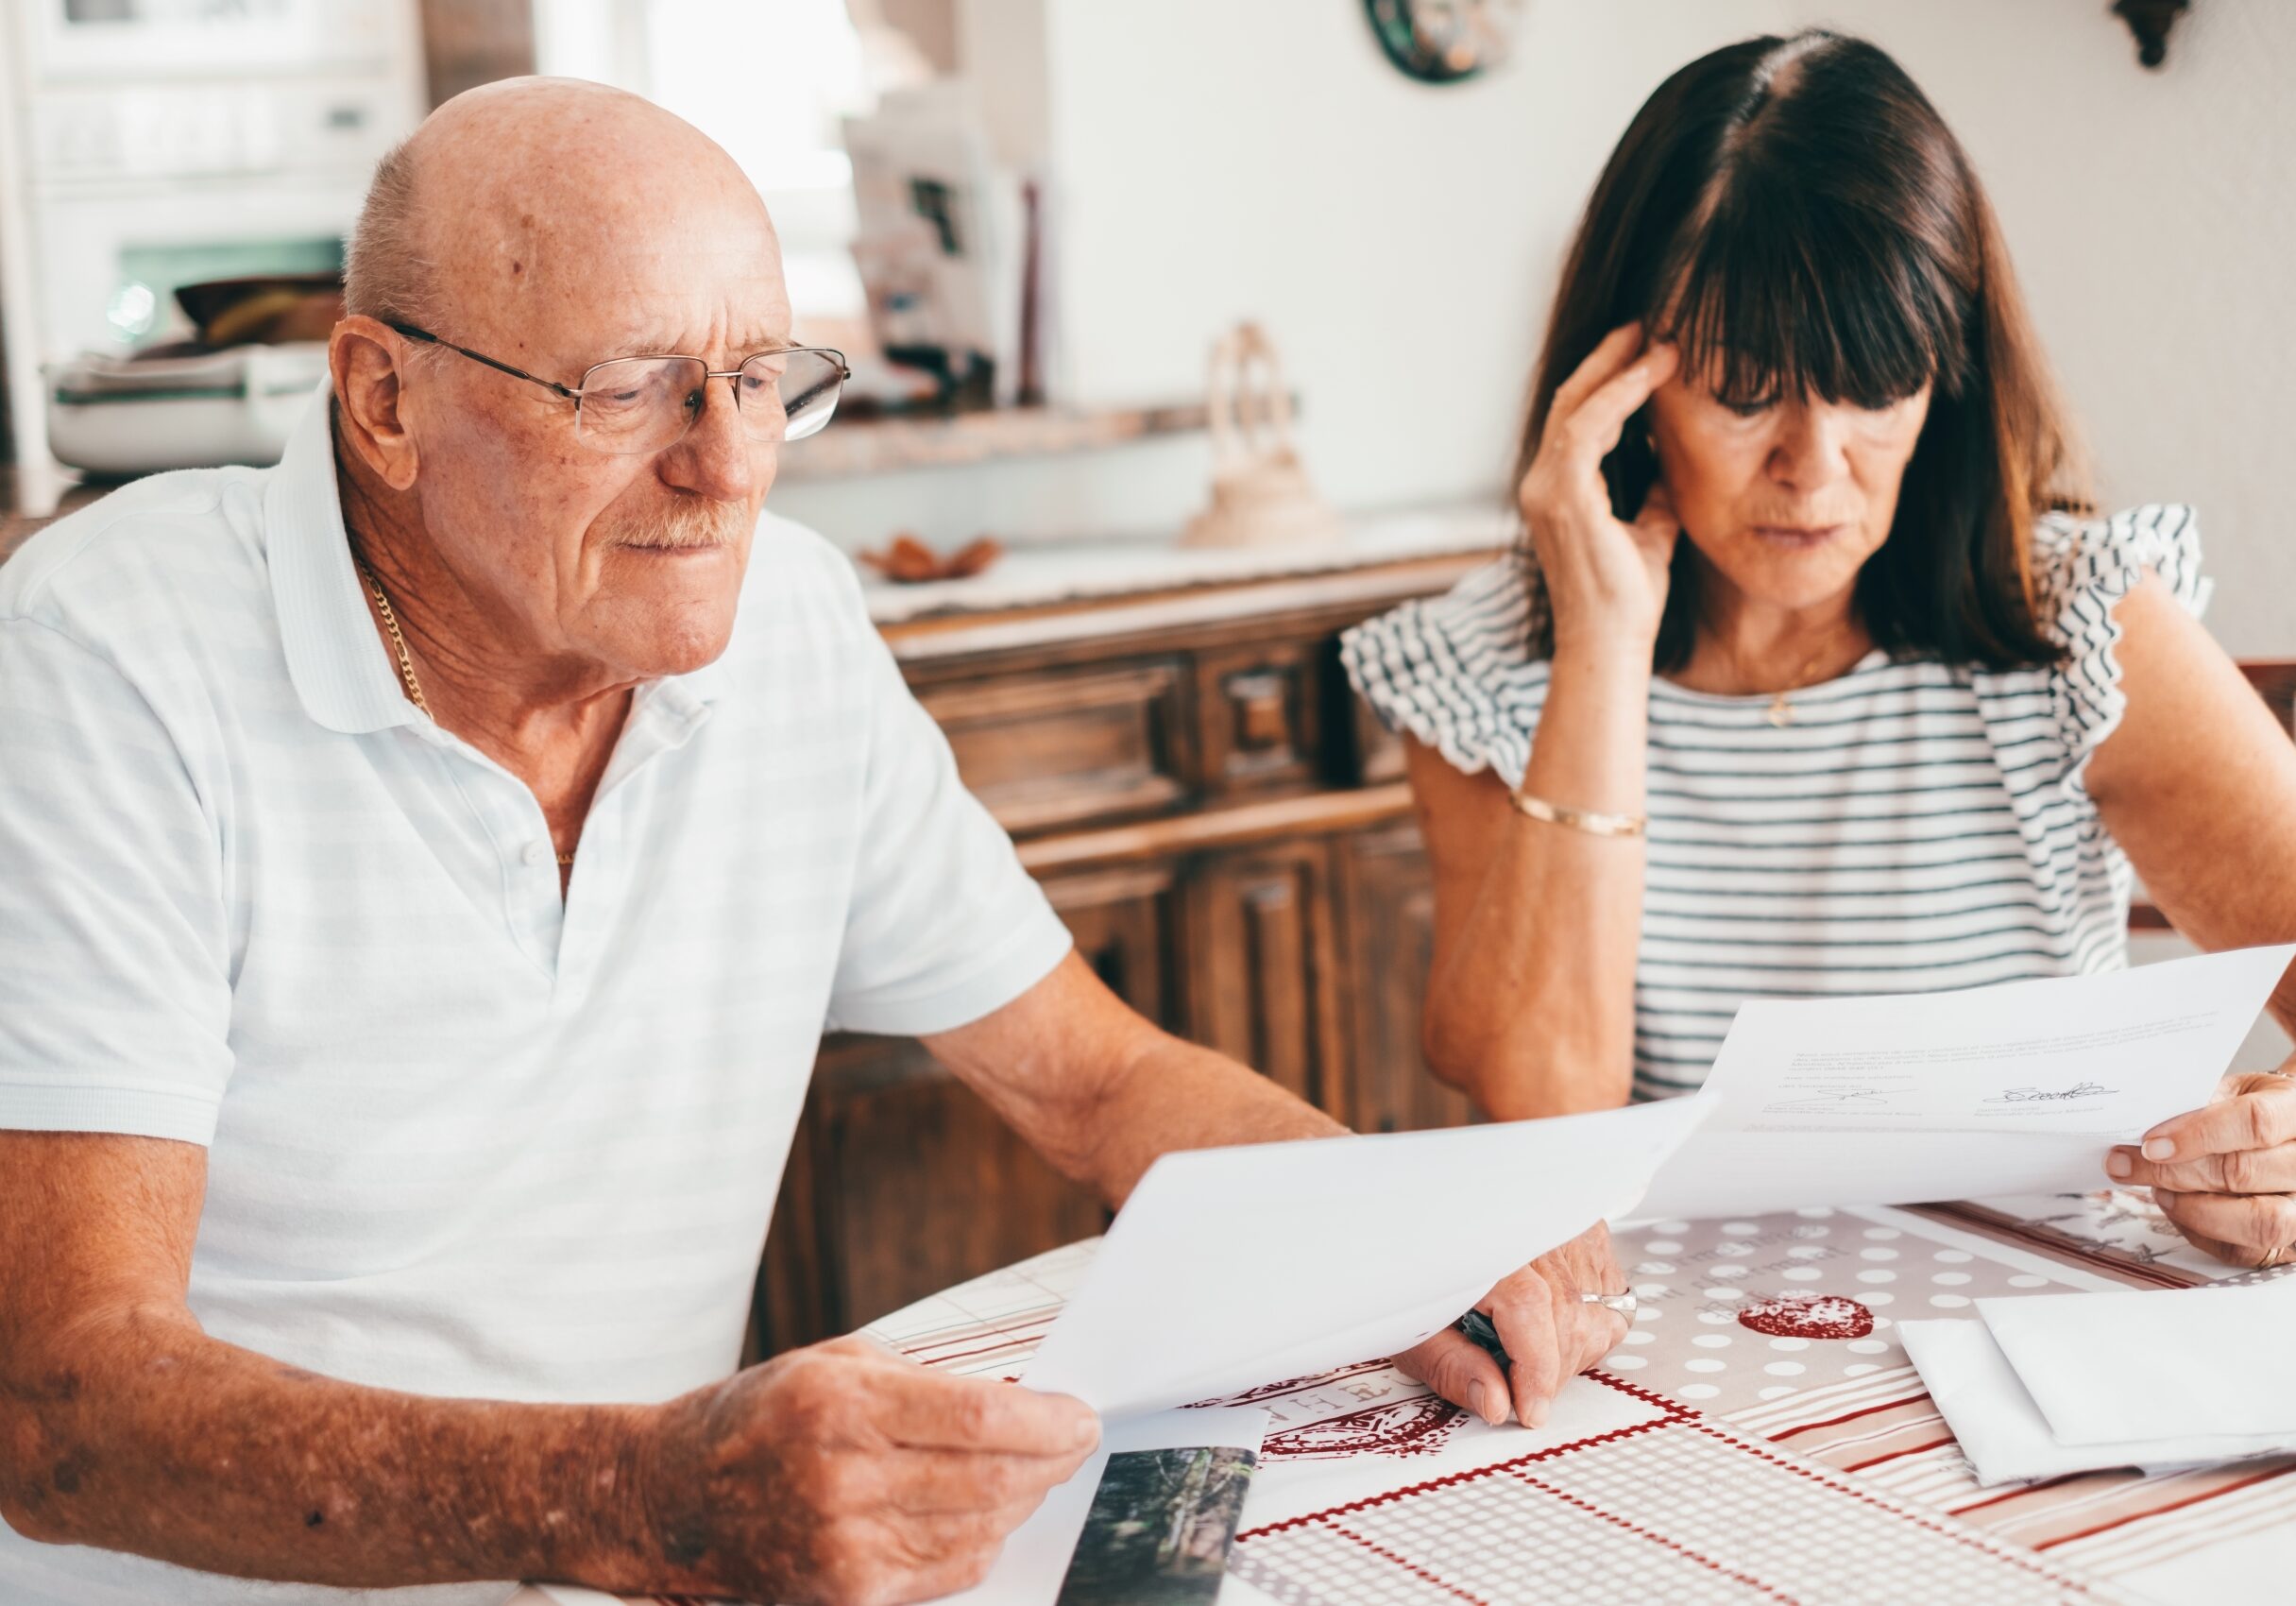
(2154, 1364)
(1230, 1268)
(2002, 1432)
(2016, 1088)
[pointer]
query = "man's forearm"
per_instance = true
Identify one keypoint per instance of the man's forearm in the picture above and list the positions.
(150, 1437)
(1101, 1092)
(1175, 1095)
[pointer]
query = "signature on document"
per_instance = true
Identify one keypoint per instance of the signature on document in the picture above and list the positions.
(2050, 1095)
(1846, 1099)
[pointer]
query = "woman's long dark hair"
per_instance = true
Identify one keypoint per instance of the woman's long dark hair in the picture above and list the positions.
(1795, 213)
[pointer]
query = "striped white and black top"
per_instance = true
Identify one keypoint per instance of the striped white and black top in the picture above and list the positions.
(1918, 825)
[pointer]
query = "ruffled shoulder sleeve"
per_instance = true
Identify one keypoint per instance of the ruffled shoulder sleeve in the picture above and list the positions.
(1456, 670)
(2081, 570)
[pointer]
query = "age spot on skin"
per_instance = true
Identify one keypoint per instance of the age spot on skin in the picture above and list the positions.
(67, 1473)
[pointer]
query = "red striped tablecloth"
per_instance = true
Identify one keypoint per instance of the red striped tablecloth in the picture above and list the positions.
(1760, 1437)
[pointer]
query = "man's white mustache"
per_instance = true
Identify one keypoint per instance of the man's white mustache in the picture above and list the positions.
(716, 525)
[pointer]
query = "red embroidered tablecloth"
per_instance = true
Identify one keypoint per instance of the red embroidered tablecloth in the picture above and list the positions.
(1760, 1437)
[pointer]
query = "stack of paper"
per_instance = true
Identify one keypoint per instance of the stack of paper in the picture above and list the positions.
(2056, 1384)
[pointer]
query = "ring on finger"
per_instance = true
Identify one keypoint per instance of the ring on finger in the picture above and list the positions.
(1625, 1304)
(2272, 1256)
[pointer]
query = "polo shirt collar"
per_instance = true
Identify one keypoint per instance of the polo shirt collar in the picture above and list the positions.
(337, 661)
(340, 668)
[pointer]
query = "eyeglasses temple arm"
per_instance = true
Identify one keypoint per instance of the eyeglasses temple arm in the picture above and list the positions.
(413, 333)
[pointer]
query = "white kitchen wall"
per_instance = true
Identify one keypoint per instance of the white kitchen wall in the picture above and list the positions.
(1219, 161)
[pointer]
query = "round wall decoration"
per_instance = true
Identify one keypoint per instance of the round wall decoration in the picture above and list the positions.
(1440, 41)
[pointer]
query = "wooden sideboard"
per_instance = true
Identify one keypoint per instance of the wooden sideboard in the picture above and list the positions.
(1225, 829)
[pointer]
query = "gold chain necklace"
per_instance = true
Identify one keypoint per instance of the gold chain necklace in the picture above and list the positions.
(406, 660)
(1780, 714)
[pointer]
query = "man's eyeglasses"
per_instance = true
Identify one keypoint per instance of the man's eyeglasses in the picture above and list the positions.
(631, 405)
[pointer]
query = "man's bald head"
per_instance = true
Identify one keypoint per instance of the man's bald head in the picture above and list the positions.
(536, 193)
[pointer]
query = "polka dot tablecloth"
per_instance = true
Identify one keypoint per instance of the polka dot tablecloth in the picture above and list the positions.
(1734, 1313)
(1760, 1437)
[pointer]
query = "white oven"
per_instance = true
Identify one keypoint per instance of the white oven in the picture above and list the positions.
(150, 143)
(118, 40)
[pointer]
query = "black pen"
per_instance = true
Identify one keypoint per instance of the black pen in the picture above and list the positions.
(1479, 1331)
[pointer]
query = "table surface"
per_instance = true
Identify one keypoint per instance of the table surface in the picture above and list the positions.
(1760, 1437)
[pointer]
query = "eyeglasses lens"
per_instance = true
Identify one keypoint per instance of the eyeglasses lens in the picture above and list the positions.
(636, 404)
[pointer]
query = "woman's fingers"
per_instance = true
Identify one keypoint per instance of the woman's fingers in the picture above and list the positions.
(2242, 1171)
(1617, 350)
(1603, 576)
(2260, 1114)
(2250, 1227)
(1592, 431)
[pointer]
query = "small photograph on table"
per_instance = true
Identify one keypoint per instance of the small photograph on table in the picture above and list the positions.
(1159, 1527)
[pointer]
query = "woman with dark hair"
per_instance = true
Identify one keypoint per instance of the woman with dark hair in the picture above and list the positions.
(1815, 675)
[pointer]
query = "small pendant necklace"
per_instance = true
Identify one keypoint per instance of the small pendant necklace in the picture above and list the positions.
(1780, 714)
(406, 659)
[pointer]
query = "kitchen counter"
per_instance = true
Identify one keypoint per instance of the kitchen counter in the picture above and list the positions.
(1056, 572)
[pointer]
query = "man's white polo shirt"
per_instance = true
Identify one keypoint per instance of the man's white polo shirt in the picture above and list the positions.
(463, 1138)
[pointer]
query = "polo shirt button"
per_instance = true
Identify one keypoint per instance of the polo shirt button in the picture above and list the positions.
(539, 853)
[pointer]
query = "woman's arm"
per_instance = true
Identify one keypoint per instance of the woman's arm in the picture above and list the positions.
(1530, 996)
(2199, 785)
(1530, 1000)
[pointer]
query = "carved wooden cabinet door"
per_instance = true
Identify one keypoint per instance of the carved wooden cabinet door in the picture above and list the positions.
(1263, 964)
(1387, 908)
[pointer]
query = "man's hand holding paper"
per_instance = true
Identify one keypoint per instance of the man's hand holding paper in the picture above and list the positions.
(1551, 1333)
(1230, 1268)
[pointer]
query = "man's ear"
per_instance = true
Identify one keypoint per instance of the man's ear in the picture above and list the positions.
(368, 359)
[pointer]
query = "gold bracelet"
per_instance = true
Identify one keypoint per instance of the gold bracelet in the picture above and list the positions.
(1593, 822)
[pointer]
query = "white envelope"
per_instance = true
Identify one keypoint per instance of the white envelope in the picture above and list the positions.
(2003, 1434)
(1230, 1268)
(2112, 1368)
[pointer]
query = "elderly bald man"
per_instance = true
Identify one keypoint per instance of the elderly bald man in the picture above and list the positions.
(426, 869)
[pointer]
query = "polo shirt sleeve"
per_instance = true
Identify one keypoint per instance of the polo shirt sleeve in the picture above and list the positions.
(945, 926)
(115, 998)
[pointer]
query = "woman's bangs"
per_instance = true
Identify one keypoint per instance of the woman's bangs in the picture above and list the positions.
(1778, 301)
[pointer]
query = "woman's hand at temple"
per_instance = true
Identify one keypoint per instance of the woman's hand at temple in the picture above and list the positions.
(2224, 1175)
(1550, 1333)
(1606, 578)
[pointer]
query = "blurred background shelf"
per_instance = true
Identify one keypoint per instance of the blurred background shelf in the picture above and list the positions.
(889, 442)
